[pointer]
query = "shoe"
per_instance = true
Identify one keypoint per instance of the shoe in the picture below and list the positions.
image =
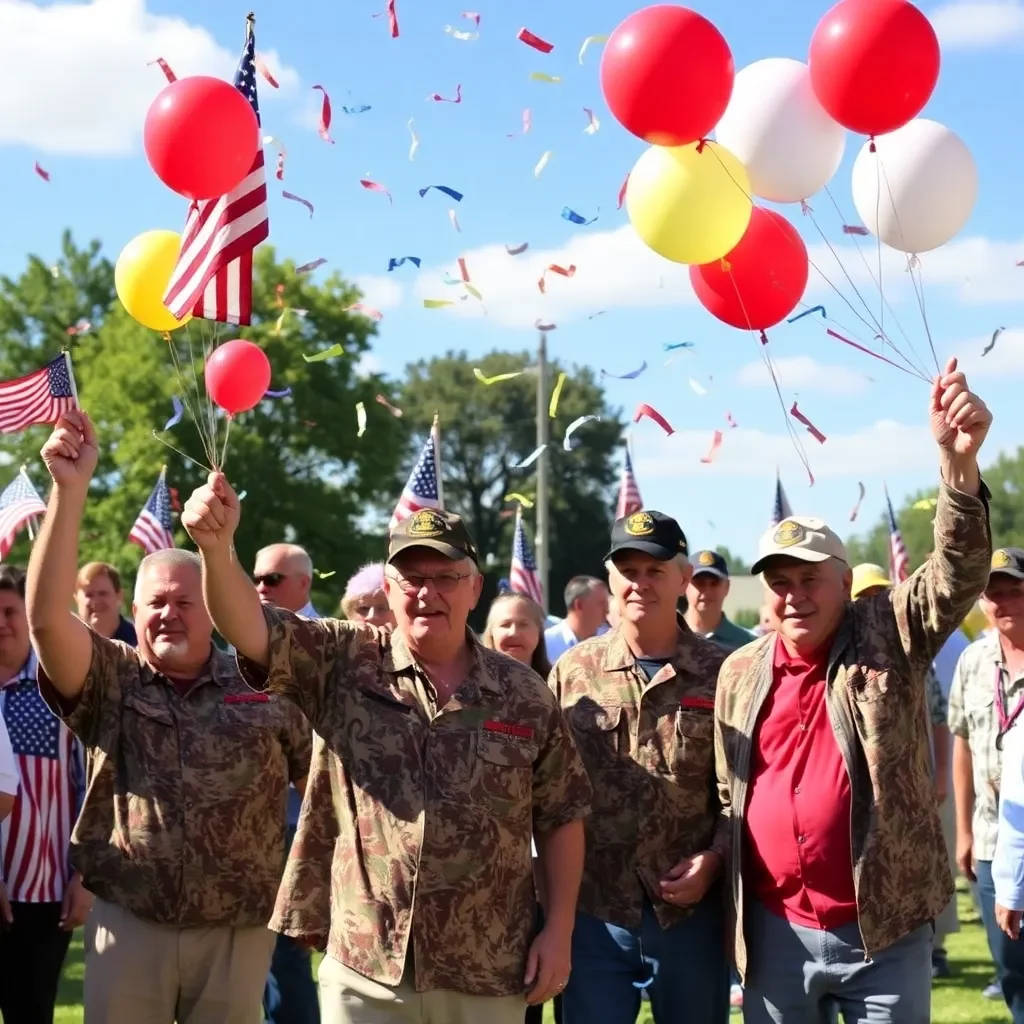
(736, 995)
(993, 990)
(940, 965)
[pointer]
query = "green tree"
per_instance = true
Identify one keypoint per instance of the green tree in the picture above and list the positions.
(487, 429)
(306, 475)
(737, 567)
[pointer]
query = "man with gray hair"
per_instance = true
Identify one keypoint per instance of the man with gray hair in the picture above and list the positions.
(283, 575)
(586, 615)
(181, 834)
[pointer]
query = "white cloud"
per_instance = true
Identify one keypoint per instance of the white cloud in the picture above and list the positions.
(801, 373)
(74, 77)
(380, 292)
(970, 25)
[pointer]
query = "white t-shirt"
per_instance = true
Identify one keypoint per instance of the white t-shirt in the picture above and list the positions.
(8, 768)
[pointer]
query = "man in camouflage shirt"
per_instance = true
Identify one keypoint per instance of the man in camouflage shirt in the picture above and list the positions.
(640, 703)
(821, 742)
(181, 835)
(445, 758)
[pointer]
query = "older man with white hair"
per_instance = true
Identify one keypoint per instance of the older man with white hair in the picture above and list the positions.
(181, 835)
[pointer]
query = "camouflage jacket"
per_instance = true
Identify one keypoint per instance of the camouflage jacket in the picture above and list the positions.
(877, 673)
(648, 748)
(185, 808)
(432, 804)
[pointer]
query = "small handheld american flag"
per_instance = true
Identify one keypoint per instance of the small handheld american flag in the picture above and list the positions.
(423, 488)
(629, 491)
(781, 509)
(154, 529)
(522, 575)
(42, 396)
(20, 503)
(899, 560)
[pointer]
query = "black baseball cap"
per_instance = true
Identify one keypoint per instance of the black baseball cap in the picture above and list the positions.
(435, 529)
(653, 533)
(1008, 562)
(710, 563)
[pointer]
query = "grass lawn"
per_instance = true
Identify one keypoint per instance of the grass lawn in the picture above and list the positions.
(957, 1001)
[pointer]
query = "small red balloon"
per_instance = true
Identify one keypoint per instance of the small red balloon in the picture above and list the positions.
(874, 64)
(201, 136)
(667, 75)
(237, 376)
(761, 280)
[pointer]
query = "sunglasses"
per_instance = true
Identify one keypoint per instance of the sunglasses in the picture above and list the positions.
(269, 579)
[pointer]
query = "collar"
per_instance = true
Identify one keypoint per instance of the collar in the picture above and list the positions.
(308, 612)
(619, 656)
(398, 658)
(817, 659)
(27, 672)
(220, 668)
(565, 631)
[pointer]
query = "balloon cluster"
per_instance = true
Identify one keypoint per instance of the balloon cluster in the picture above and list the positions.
(780, 130)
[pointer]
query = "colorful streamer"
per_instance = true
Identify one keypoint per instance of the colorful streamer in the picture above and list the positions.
(643, 409)
(567, 444)
(575, 218)
(497, 378)
(856, 508)
(811, 428)
(324, 128)
(632, 375)
(540, 76)
(716, 443)
(373, 186)
(454, 218)
(437, 303)
(524, 35)
(179, 412)
(164, 67)
(262, 68)
(298, 199)
(450, 192)
(698, 388)
(308, 267)
(556, 395)
(415, 144)
(436, 97)
(542, 163)
(282, 153)
(555, 269)
(44, 174)
(593, 124)
(361, 109)
(360, 419)
(808, 312)
(622, 191)
(517, 250)
(401, 260)
(359, 307)
(328, 353)
(531, 458)
(591, 41)
(393, 409)
(521, 498)
(527, 125)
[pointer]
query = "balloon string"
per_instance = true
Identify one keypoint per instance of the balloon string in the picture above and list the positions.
(224, 453)
(878, 245)
(207, 429)
(194, 412)
(184, 455)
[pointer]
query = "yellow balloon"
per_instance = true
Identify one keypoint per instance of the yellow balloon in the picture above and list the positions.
(689, 206)
(141, 275)
(975, 623)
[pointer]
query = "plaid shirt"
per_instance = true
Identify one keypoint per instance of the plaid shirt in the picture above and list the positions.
(973, 715)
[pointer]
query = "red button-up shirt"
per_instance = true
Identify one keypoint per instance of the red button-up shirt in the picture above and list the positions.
(797, 855)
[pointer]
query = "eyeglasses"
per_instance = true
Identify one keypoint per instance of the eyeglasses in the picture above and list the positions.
(269, 579)
(443, 582)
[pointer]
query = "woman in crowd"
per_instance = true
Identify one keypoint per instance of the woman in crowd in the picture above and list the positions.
(364, 599)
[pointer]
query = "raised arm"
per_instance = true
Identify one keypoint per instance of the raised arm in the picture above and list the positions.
(62, 641)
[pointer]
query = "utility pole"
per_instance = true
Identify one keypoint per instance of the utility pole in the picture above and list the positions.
(541, 540)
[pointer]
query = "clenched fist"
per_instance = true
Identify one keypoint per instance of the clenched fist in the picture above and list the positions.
(211, 515)
(71, 452)
(960, 419)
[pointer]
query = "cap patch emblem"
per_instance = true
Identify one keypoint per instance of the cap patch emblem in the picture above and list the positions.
(788, 534)
(640, 524)
(426, 523)
(1000, 559)
(706, 558)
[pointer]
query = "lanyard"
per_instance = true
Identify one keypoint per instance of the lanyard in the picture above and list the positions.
(1006, 719)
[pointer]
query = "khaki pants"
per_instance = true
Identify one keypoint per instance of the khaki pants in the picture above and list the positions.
(348, 998)
(947, 922)
(137, 972)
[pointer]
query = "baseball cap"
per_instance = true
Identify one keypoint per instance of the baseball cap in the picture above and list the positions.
(1008, 562)
(805, 538)
(434, 529)
(710, 563)
(653, 533)
(868, 575)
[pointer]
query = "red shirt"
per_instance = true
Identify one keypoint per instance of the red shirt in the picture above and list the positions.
(797, 849)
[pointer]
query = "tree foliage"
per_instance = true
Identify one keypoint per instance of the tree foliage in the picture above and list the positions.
(486, 430)
(737, 566)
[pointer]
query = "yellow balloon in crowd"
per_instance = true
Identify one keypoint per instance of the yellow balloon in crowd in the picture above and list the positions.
(975, 623)
(689, 206)
(141, 275)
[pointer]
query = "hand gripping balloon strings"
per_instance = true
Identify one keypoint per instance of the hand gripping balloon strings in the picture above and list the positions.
(556, 395)
(164, 67)
(373, 186)
(325, 116)
(716, 443)
(811, 428)
(856, 507)
(555, 269)
(298, 199)
(643, 409)
(524, 35)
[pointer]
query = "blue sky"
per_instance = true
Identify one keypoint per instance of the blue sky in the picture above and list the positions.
(74, 87)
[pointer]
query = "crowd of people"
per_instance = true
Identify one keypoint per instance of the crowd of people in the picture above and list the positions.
(634, 802)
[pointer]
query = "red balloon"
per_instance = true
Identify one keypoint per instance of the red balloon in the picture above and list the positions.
(201, 137)
(760, 282)
(874, 64)
(667, 74)
(237, 376)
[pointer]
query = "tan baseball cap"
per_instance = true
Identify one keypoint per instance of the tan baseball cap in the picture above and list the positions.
(805, 538)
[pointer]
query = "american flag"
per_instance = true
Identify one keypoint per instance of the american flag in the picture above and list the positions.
(35, 838)
(522, 576)
(154, 529)
(629, 493)
(423, 488)
(213, 276)
(899, 562)
(40, 397)
(781, 509)
(19, 503)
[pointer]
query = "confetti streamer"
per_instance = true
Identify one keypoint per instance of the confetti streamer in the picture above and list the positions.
(327, 353)
(622, 191)
(925, 504)
(373, 186)
(415, 144)
(463, 269)
(679, 344)
(450, 192)
(393, 262)
(728, 419)
(164, 67)
(855, 229)
(521, 498)
(277, 394)
(632, 375)
(541, 326)
(856, 507)
(466, 37)
(527, 125)
(531, 458)
(808, 312)
(811, 428)
(307, 268)
(992, 344)
(496, 379)
(436, 97)
(600, 312)
(556, 395)
(700, 390)
(324, 128)
(863, 348)
(716, 443)
(567, 444)
(643, 409)
(575, 218)
(593, 124)
(358, 307)
(298, 199)
(454, 218)
(179, 412)
(361, 109)
(393, 409)
(262, 68)
(45, 175)
(518, 249)
(325, 575)
(472, 16)
(389, 10)
(540, 76)
(360, 419)
(542, 163)
(270, 140)
(555, 269)
(591, 41)
(473, 291)
(79, 327)
(524, 35)
(436, 303)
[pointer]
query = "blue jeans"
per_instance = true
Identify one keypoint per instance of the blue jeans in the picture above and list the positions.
(1007, 953)
(685, 966)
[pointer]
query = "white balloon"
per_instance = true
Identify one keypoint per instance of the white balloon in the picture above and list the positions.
(918, 190)
(776, 126)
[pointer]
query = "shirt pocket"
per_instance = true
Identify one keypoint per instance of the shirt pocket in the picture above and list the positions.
(695, 744)
(597, 730)
(503, 775)
(149, 742)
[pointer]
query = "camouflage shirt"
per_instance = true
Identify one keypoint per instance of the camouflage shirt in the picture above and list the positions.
(648, 747)
(185, 808)
(431, 804)
(877, 673)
